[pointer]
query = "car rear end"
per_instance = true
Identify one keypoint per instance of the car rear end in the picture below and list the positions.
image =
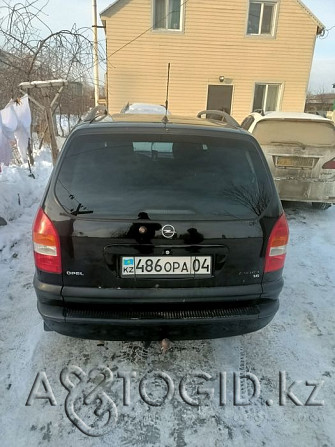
(301, 156)
(159, 230)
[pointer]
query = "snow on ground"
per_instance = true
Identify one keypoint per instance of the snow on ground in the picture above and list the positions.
(300, 340)
(65, 123)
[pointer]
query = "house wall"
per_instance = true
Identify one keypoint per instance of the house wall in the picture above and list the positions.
(213, 43)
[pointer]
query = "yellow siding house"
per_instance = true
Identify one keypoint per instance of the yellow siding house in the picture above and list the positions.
(232, 55)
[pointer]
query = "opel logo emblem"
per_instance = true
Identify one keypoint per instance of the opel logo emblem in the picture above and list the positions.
(168, 231)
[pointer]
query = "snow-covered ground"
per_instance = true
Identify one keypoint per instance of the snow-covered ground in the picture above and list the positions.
(300, 341)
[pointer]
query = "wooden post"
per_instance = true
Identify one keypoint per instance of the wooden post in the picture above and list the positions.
(60, 83)
(54, 148)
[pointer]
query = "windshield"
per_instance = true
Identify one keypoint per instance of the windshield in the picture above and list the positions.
(163, 176)
(307, 133)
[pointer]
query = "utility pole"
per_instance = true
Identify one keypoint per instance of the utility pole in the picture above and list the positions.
(95, 52)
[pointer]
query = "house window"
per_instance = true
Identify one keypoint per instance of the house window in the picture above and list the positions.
(167, 15)
(261, 18)
(266, 97)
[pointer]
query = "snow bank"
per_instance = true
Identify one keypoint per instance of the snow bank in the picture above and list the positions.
(19, 191)
(66, 123)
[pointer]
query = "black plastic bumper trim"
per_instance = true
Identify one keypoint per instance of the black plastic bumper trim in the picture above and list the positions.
(225, 323)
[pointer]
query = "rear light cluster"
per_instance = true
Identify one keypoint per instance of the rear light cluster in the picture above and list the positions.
(46, 244)
(276, 249)
(330, 164)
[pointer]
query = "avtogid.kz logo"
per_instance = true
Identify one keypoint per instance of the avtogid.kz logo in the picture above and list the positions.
(90, 408)
(87, 405)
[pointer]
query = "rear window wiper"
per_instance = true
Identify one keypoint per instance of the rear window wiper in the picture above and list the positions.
(80, 210)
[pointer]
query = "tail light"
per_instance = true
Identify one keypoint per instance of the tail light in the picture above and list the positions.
(276, 249)
(330, 164)
(46, 244)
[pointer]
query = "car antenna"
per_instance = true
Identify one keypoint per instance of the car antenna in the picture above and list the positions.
(165, 118)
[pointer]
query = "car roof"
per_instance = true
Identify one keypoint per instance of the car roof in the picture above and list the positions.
(152, 120)
(289, 116)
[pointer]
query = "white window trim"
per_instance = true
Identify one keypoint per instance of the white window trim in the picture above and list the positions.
(272, 33)
(168, 30)
(279, 97)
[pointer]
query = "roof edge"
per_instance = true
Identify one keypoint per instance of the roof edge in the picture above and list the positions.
(320, 25)
(108, 7)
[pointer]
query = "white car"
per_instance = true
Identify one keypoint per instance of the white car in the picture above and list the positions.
(300, 151)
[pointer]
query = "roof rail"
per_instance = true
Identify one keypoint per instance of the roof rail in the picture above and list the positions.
(125, 108)
(224, 116)
(95, 113)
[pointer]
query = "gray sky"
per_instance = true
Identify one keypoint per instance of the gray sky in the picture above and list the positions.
(61, 14)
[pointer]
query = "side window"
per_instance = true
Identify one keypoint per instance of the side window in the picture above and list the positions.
(167, 15)
(246, 123)
(266, 97)
(262, 17)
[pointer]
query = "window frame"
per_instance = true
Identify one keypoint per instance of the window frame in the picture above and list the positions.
(166, 29)
(275, 4)
(279, 96)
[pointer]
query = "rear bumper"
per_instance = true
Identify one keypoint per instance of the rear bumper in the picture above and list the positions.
(305, 190)
(232, 311)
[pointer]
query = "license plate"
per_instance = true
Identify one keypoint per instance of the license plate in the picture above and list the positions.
(295, 162)
(166, 266)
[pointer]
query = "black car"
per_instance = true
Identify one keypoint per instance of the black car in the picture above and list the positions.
(154, 227)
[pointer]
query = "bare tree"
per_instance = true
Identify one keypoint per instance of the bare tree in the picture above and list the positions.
(319, 102)
(31, 50)
(250, 198)
(75, 101)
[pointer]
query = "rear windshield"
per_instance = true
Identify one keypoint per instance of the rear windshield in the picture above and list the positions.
(168, 176)
(307, 133)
